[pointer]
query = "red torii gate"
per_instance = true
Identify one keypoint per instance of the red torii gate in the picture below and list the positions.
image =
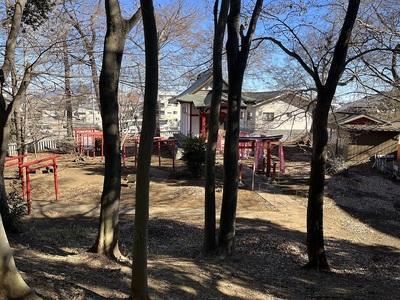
(20, 159)
(158, 141)
(26, 168)
(33, 166)
(85, 137)
(258, 144)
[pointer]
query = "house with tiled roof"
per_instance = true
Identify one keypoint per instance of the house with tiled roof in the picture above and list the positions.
(263, 113)
(359, 137)
(278, 113)
(195, 104)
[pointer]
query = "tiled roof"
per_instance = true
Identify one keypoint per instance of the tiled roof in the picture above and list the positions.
(346, 121)
(389, 127)
(199, 93)
(291, 98)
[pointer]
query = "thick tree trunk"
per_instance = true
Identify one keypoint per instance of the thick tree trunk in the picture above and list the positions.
(5, 110)
(5, 118)
(4, 136)
(107, 240)
(117, 30)
(231, 181)
(12, 286)
(139, 286)
(231, 152)
(213, 126)
(315, 236)
(237, 61)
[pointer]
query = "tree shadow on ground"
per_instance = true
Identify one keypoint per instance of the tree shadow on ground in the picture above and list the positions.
(377, 207)
(267, 263)
(369, 196)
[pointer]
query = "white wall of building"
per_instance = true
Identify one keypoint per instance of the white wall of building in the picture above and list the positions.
(275, 118)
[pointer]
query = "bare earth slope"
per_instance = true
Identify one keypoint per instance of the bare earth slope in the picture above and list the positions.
(362, 226)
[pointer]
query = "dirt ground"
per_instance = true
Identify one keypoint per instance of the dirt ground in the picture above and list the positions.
(362, 236)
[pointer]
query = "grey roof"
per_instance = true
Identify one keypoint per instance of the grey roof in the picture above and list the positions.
(289, 97)
(199, 93)
(343, 120)
(367, 103)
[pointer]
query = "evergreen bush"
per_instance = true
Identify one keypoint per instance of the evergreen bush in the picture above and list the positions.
(194, 155)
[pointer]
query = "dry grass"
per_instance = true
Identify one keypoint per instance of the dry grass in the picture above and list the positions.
(361, 227)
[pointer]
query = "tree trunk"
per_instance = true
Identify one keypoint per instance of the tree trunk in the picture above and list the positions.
(231, 151)
(213, 126)
(139, 287)
(12, 286)
(89, 44)
(67, 87)
(117, 30)
(17, 115)
(5, 109)
(237, 61)
(5, 118)
(4, 137)
(315, 237)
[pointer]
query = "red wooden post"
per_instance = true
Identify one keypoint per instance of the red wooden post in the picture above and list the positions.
(268, 158)
(28, 191)
(203, 125)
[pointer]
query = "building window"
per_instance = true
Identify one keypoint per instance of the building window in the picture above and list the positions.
(249, 116)
(241, 115)
(268, 116)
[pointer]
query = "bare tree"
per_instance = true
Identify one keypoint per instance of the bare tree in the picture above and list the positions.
(220, 19)
(178, 41)
(12, 285)
(325, 72)
(117, 30)
(237, 55)
(89, 38)
(67, 86)
(139, 288)
(378, 69)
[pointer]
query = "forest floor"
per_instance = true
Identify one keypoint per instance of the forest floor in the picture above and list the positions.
(361, 227)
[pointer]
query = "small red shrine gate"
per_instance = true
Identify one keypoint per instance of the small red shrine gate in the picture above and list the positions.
(258, 145)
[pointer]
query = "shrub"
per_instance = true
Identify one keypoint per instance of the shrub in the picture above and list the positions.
(18, 209)
(194, 155)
